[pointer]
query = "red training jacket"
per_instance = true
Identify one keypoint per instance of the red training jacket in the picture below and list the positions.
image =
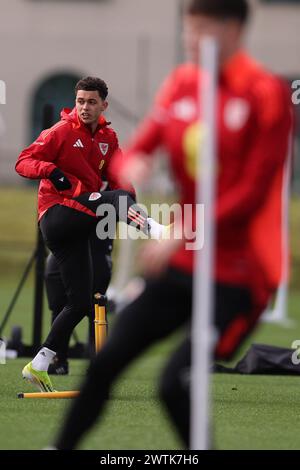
(84, 158)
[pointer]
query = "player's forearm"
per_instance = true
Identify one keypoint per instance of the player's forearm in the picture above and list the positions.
(147, 137)
(33, 168)
(38, 160)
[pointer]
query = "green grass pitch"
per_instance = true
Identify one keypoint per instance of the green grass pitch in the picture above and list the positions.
(260, 413)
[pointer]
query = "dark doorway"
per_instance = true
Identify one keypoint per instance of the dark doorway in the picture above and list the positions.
(56, 90)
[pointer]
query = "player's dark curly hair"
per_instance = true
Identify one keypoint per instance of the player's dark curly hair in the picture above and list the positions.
(220, 9)
(93, 84)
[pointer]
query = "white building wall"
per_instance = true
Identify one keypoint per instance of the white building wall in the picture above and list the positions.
(274, 36)
(41, 37)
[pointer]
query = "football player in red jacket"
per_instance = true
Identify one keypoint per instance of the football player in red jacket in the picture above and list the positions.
(254, 132)
(71, 159)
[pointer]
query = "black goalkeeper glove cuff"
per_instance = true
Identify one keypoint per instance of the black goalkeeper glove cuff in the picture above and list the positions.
(59, 180)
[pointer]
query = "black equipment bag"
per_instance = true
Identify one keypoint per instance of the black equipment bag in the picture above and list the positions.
(265, 359)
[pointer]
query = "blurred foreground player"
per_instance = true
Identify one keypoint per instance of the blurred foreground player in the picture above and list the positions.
(254, 125)
(71, 159)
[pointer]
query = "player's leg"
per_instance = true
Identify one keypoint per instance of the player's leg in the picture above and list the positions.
(174, 389)
(57, 299)
(101, 252)
(162, 308)
(102, 270)
(126, 209)
(75, 265)
(56, 294)
(72, 251)
(235, 316)
(237, 312)
(76, 270)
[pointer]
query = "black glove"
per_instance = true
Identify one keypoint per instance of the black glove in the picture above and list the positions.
(59, 180)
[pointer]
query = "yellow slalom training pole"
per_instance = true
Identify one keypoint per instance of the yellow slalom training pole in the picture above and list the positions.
(68, 394)
(100, 321)
(97, 321)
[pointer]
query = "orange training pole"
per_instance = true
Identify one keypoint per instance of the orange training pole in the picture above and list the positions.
(68, 394)
(100, 322)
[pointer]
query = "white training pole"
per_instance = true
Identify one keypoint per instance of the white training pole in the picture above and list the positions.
(202, 333)
(124, 266)
(279, 314)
